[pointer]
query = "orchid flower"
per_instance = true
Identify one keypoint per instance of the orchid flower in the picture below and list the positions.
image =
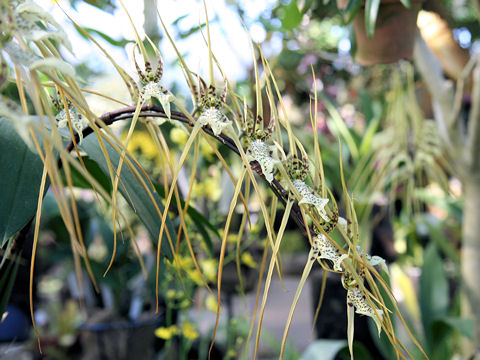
(309, 197)
(262, 153)
(355, 297)
(323, 249)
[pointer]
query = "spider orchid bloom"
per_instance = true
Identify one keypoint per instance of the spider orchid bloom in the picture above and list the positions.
(374, 260)
(215, 119)
(323, 249)
(355, 297)
(78, 121)
(309, 197)
(156, 90)
(259, 151)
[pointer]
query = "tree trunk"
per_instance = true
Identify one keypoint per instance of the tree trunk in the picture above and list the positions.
(471, 259)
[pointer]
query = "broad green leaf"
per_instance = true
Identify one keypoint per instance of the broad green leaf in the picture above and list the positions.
(359, 351)
(351, 10)
(92, 167)
(371, 12)
(406, 3)
(292, 17)
(433, 290)
(465, 327)
(133, 191)
(441, 240)
(21, 171)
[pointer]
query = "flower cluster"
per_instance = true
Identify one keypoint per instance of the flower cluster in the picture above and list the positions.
(323, 247)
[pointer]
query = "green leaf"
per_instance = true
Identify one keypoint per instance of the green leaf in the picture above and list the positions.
(433, 291)
(92, 167)
(351, 10)
(371, 12)
(120, 43)
(406, 3)
(291, 17)
(21, 171)
(442, 241)
(185, 34)
(465, 327)
(133, 191)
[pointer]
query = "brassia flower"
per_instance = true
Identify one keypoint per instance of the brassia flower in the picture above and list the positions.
(262, 153)
(79, 122)
(210, 106)
(152, 88)
(374, 260)
(309, 197)
(323, 249)
(215, 119)
(257, 148)
(356, 298)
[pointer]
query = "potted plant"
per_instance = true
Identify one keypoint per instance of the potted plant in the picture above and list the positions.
(384, 30)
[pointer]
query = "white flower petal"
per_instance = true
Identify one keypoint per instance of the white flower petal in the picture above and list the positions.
(215, 118)
(154, 89)
(323, 249)
(374, 260)
(78, 122)
(259, 151)
(377, 260)
(309, 197)
(355, 297)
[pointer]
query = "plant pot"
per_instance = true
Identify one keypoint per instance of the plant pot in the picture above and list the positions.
(120, 339)
(394, 36)
(439, 38)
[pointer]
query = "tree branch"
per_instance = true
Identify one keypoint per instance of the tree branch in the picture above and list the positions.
(473, 145)
(443, 96)
(157, 111)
